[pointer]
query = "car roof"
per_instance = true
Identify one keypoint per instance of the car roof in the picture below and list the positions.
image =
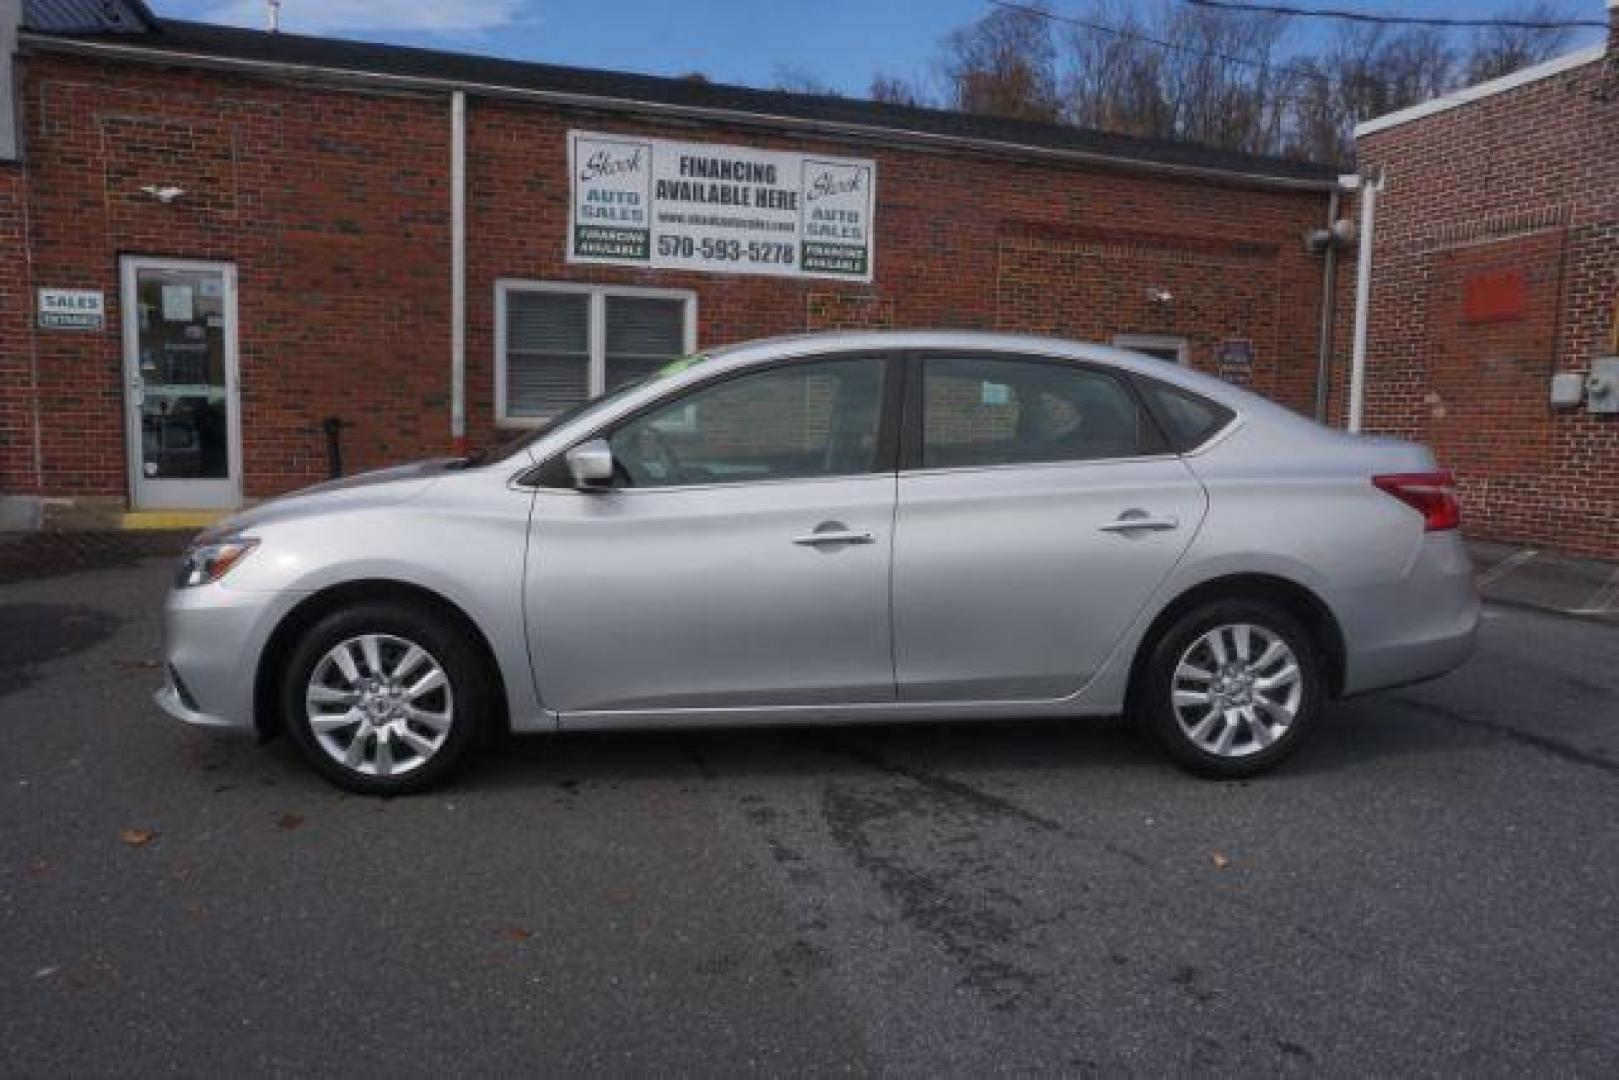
(787, 346)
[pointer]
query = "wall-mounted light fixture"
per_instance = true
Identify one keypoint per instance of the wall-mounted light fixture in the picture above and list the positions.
(165, 194)
(1157, 294)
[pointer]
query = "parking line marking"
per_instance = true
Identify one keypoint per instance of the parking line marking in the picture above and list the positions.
(1506, 566)
(1602, 601)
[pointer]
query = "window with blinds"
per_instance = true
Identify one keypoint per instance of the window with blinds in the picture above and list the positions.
(643, 334)
(559, 344)
(547, 352)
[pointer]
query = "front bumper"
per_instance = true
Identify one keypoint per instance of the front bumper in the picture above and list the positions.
(212, 639)
(170, 700)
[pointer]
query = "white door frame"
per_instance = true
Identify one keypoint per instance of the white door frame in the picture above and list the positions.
(178, 494)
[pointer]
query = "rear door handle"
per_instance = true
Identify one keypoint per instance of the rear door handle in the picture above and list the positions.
(1126, 523)
(834, 536)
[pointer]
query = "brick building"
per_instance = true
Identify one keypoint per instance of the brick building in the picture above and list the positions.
(1496, 267)
(215, 239)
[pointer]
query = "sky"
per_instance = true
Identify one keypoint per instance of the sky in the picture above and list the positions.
(840, 43)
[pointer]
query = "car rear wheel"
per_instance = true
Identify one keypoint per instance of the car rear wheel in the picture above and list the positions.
(1232, 687)
(385, 698)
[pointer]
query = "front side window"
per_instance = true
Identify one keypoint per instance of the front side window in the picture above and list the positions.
(792, 422)
(560, 345)
(981, 412)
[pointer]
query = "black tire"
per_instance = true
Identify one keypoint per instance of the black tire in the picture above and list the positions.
(462, 661)
(1153, 706)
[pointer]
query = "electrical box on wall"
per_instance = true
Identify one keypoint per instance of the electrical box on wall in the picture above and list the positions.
(1602, 385)
(1568, 388)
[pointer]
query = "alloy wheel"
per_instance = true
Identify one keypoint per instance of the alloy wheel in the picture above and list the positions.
(1237, 690)
(379, 705)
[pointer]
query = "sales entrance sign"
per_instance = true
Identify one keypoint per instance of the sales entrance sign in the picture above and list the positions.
(723, 209)
(71, 309)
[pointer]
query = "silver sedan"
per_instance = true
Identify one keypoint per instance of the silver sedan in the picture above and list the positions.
(838, 529)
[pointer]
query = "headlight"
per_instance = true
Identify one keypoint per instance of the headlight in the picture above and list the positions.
(203, 564)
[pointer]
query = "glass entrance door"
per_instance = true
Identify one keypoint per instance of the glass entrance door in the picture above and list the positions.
(180, 368)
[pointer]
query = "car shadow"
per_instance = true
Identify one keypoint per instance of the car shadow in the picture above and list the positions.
(37, 633)
(1349, 736)
(764, 751)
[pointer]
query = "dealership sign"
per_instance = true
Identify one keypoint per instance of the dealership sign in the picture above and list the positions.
(727, 209)
(71, 309)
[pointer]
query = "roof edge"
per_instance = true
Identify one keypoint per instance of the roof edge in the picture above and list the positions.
(89, 46)
(1489, 88)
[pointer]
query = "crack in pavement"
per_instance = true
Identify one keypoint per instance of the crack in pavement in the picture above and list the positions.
(1544, 743)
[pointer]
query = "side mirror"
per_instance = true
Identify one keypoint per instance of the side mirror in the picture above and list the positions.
(591, 465)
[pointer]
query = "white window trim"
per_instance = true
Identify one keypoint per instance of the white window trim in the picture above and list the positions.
(1182, 346)
(596, 373)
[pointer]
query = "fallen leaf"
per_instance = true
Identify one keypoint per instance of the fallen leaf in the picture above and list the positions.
(135, 836)
(620, 896)
(38, 868)
(516, 933)
(46, 972)
(1220, 861)
(289, 821)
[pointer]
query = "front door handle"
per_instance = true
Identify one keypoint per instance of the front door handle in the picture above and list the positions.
(1130, 521)
(834, 536)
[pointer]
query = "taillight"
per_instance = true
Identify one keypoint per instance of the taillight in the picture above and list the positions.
(1431, 494)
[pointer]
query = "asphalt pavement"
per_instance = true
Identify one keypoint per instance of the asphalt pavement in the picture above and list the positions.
(1431, 886)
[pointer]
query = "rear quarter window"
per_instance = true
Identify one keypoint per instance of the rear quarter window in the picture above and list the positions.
(1188, 419)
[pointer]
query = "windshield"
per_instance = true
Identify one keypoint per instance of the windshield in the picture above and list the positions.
(505, 451)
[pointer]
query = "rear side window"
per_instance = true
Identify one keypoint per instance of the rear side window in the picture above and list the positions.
(995, 411)
(1189, 419)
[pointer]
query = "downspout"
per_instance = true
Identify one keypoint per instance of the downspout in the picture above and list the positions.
(458, 271)
(1363, 297)
(1329, 288)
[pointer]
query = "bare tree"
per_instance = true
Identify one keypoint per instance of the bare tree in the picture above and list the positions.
(1501, 50)
(1318, 128)
(1177, 72)
(1004, 64)
(1117, 81)
(893, 90)
(1362, 71)
(1233, 79)
(801, 80)
(1223, 77)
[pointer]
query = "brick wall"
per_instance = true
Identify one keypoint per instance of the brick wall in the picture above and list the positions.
(334, 206)
(1512, 201)
(962, 242)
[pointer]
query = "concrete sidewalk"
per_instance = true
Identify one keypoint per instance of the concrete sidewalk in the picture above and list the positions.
(1585, 588)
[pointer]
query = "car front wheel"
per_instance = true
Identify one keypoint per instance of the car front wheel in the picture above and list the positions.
(385, 698)
(1232, 688)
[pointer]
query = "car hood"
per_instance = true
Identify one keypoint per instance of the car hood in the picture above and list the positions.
(381, 487)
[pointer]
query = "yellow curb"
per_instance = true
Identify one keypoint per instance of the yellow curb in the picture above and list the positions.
(171, 519)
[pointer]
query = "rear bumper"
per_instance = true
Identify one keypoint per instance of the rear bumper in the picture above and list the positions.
(1417, 627)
